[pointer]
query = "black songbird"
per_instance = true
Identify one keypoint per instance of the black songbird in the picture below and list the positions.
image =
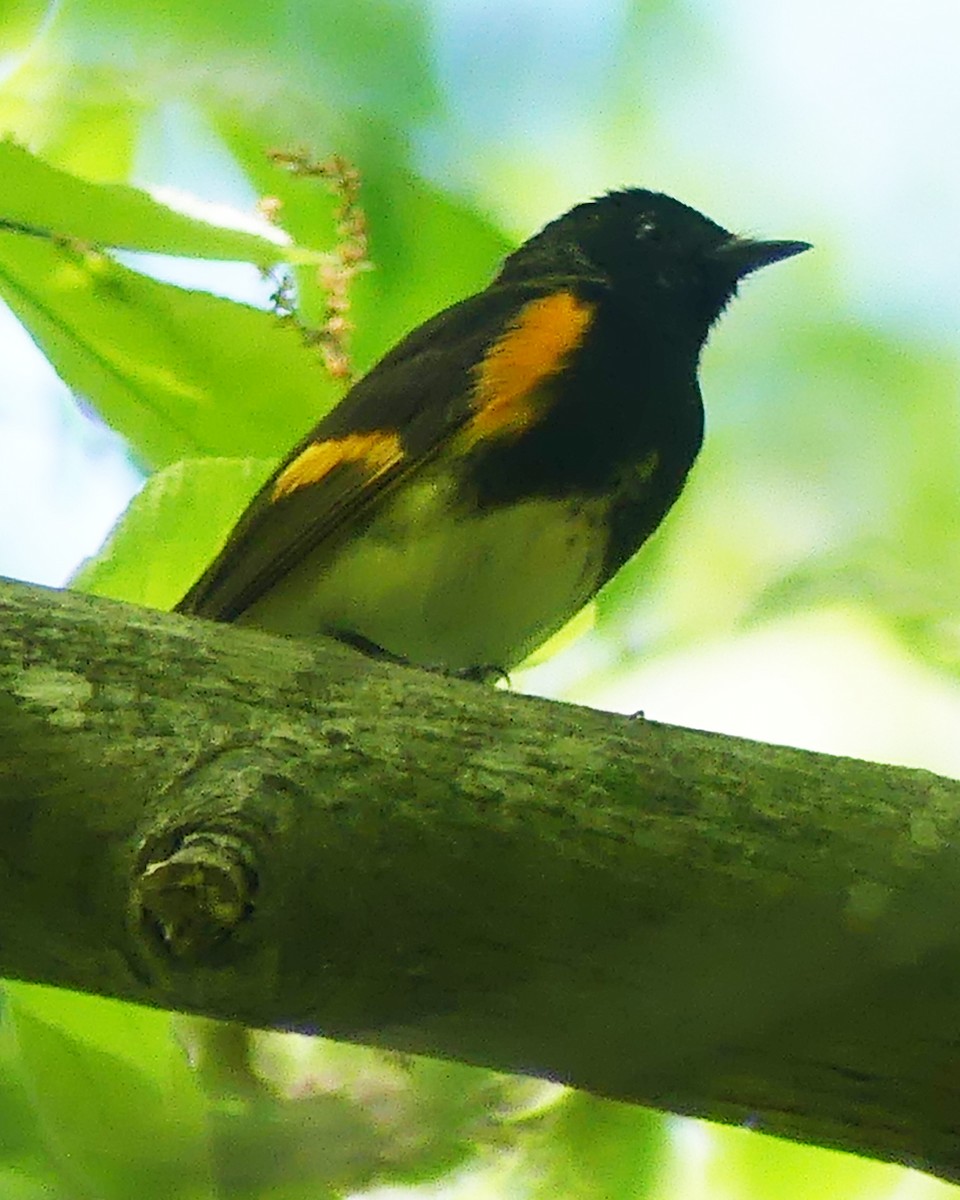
(480, 484)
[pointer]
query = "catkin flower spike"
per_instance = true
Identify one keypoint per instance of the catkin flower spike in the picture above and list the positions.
(337, 269)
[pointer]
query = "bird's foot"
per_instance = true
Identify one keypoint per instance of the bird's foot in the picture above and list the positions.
(485, 673)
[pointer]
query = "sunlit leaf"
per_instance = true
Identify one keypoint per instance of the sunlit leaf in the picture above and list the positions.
(171, 530)
(593, 1149)
(44, 200)
(745, 1164)
(113, 1092)
(178, 373)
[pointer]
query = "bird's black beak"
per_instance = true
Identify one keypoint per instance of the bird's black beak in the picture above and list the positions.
(740, 255)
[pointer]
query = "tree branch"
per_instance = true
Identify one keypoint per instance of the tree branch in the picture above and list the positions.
(293, 835)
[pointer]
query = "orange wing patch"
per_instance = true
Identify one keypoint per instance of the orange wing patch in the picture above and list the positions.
(373, 452)
(534, 347)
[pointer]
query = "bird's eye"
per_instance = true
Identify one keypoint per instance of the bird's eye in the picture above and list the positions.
(647, 228)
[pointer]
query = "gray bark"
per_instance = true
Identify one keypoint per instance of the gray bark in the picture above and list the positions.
(294, 835)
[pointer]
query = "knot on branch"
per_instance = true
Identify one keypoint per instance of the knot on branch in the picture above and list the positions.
(197, 895)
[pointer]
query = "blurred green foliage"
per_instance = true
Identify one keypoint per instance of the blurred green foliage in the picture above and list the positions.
(829, 473)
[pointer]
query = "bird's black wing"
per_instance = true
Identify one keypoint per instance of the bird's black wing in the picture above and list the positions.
(466, 372)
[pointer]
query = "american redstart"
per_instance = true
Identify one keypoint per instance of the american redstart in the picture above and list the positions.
(476, 488)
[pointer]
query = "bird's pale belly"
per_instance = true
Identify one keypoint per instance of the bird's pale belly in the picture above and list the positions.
(483, 590)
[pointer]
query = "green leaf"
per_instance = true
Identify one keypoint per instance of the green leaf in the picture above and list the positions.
(591, 1149)
(171, 530)
(19, 22)
(21, 1138)
(114, 1093)
(40, 199)
(178, 373)
(748, 1165)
